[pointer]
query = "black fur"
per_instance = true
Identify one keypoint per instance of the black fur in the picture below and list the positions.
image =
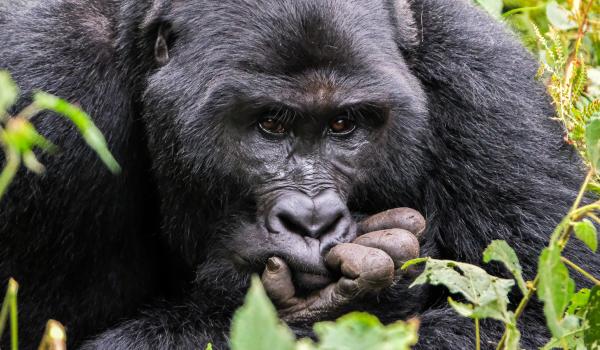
(470, 144)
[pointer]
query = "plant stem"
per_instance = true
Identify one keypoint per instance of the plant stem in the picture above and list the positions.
(477, 335)
(594, 217)
(29, 112)
(4, 314)
(583, 211)
(588, 178)
(13, 288)
(580, 270)
(9, 171)
(520, 308)
(581, 31)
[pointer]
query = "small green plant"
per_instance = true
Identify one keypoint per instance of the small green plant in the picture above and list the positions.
(256, 327)
(19, 139)
(9, 309)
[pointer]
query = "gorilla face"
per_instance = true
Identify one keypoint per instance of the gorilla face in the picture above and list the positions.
(294, 106)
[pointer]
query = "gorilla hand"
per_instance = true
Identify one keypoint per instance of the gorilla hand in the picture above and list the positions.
(367, 265)
(395, 231)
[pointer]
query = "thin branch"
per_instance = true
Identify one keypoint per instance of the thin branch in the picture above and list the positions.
(477, 335)
(10, 170)
(580, 270)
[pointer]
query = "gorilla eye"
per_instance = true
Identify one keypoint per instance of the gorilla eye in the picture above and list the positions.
(342, 125)
(272, 126)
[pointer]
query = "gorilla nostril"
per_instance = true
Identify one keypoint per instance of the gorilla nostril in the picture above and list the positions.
(300, 214)
(289, 222)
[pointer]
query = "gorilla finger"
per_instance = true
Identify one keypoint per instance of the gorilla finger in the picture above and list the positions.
(403, 218)
(277, 280)
(323, 303)
(400, 245)
(371, 268)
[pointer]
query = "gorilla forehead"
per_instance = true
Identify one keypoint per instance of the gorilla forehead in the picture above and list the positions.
(288, 51)
(231, 55)
(287, 35)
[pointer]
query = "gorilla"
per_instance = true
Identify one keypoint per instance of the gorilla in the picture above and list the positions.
(286, 138)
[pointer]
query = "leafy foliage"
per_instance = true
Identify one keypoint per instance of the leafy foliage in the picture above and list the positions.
(255, 326)
(501, 252)
(19, 138)
(555, 288)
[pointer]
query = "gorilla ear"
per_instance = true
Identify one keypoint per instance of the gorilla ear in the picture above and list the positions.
(157, 31)
(161, 45)
(403, 19)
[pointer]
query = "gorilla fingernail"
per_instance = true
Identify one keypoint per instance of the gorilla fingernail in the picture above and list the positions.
(273, 265)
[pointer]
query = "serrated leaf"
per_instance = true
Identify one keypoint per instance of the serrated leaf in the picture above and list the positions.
(592, 333)
(579, 301)
(91, 134)
(487, 294)
(493, 7)
(500, 251)
(359, 331)
(9, 92)
(555, 289)
(255, 325)
(559, 17)
(587, 233)
(592, 141)
(590, 109)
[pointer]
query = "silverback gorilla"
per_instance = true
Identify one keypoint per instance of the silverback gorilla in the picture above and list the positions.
(256, 137)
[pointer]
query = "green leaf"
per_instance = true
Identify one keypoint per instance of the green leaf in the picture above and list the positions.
(9, 92)
(91, 134)
(579, 302)
(255, 325)
(412, 262)
(592, 333)
(493, 7)
(555, 289)
(360, 331)
(500, 251)
(209, 347)
(592, 140)
(487, 294)
(587, 233)
(559, 17)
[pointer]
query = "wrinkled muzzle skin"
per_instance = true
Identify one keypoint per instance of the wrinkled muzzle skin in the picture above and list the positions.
(299, 221)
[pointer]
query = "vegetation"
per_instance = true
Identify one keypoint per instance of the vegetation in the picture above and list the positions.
(566, 37)
(19, 139)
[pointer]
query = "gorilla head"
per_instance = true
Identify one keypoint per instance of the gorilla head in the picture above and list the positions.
(287, 109)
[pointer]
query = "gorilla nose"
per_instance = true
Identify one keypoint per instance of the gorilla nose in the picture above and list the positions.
(314, 217)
